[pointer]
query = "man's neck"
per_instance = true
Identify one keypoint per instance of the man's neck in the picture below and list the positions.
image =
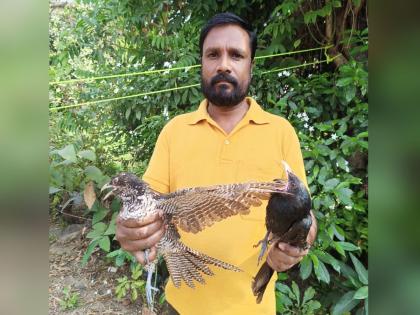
(227, 117)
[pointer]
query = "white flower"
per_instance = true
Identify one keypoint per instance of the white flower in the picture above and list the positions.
(311, 128)
(334, 136)
(145, 97)
(166, 64)
(265, 24)
(299, 115)
(165, 72)
(118, 64)
(131, 88)
(348, 207)
(332, 207)
(306, 118)
(306, 125)
(116, 90)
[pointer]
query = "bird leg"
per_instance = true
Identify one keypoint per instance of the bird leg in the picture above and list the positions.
(264, 244)
(150, 267)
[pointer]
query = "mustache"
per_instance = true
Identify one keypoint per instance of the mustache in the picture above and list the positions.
(223, 77)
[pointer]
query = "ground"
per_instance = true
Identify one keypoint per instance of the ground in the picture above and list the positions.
(94, 283)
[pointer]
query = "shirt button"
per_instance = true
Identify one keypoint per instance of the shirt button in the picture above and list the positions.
(227, 141)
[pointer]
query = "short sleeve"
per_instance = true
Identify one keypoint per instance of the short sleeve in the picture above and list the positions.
(293, 155)
(157, 173)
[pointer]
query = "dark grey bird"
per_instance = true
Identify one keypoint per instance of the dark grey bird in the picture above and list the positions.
(288, 220)
(192, 210)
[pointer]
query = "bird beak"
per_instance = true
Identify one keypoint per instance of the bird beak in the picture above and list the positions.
(106, 186)
(287, 168)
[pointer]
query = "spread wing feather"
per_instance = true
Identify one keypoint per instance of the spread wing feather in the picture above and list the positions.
(194, 209)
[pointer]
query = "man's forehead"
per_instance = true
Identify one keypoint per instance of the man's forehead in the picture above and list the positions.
(230, 35)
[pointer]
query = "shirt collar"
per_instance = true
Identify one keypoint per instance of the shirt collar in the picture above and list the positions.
(255, 113)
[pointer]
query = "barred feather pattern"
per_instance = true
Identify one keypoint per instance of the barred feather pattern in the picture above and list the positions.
(194, 209)
(186, 264)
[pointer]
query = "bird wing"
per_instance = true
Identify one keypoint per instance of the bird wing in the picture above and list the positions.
(194, 209)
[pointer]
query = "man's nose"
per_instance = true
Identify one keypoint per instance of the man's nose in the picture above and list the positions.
(224, 64)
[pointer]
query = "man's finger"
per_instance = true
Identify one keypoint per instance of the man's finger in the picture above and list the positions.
(137, 245)
(136, 223)
(141, 257)
(292, 250)
(125, 233)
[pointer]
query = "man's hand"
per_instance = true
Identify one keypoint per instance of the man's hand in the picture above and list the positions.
(284, 256)
(135, 236)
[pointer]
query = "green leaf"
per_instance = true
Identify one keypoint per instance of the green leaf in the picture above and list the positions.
(349, 247)
(95, 174)
(344, 194)
(53, 190)
(361, 293)
(344, 81)
(331, 183)
(105, 243)
(111, 229)
(345, 304)
(322, 273)
(350, 93)
(308, 295)
(89, 251)
(363, 135)
(296, 43)
(99, 215)
(283, 288)
(296, 292)
(305, 267)
(328, 259)
(68, 153)
(282, 276)
(360, 269)
(98, 230)
(88, 155)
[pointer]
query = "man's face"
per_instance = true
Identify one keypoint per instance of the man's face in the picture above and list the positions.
(226, 65)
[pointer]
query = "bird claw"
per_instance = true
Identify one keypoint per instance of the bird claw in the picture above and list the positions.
(150, 267)
(264, 244)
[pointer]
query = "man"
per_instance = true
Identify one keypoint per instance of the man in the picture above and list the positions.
(228, 139)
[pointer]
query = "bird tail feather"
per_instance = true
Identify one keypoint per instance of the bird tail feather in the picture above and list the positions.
(186, 264)
(261, 280)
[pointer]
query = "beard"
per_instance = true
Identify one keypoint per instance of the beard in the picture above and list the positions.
(223, 95)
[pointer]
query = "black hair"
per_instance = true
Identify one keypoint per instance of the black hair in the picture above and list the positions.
(229, 18)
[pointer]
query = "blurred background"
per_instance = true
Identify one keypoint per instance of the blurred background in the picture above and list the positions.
(51, 154)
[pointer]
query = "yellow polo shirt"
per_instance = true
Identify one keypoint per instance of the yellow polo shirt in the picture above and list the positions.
(192, 150)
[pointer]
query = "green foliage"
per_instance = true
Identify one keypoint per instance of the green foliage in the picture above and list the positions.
(327, 104)
(132, 286)
(290, 300)
(70, 300)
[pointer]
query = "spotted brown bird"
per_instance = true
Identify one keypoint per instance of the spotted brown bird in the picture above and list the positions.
(192, 210)
(288, 220)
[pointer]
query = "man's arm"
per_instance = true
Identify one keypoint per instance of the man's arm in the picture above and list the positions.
(135, 236)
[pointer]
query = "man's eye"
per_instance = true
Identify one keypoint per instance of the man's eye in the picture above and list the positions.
(212, 55)
(237, 56)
